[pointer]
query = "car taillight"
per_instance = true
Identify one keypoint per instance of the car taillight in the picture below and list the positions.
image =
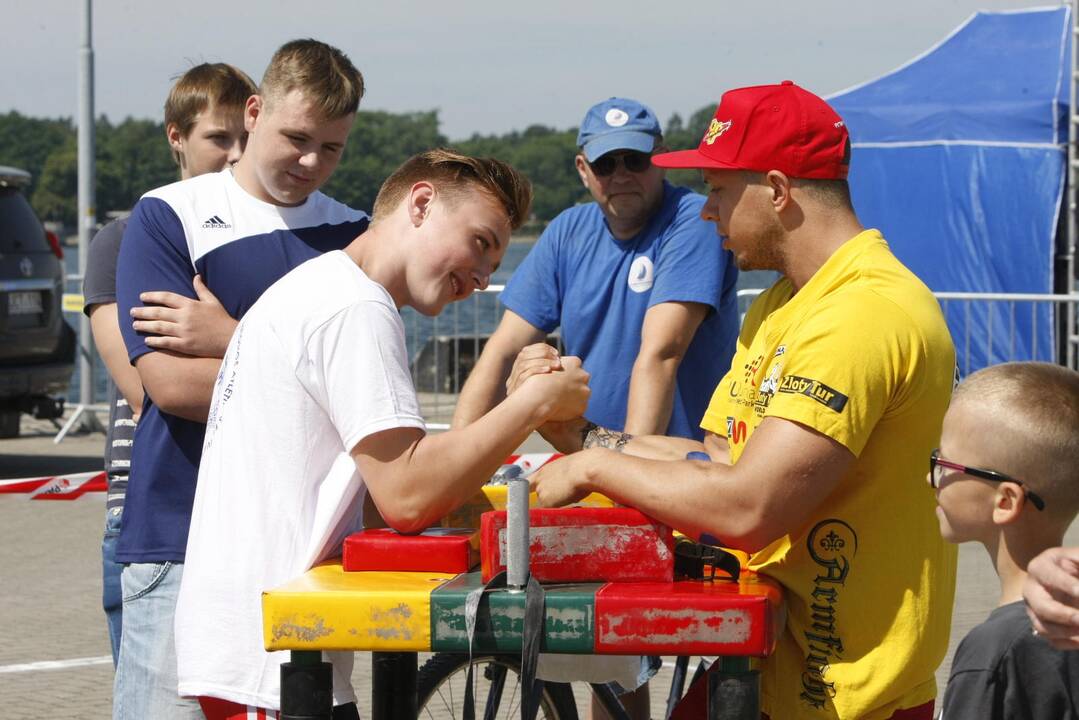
(54, 243)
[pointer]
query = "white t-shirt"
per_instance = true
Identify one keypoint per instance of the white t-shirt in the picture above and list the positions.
(316, 365)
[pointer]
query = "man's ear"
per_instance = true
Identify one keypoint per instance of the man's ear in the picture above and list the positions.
(780, 185)
(253, 109)
(419, 202)
(1008, 502)
(582, 169)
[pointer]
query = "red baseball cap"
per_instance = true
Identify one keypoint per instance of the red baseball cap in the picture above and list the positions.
(771, 127)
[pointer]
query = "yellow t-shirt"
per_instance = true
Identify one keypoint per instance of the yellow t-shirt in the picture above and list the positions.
(862, 355)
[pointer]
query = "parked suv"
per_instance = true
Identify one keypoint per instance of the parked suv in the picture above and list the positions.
(37, 348)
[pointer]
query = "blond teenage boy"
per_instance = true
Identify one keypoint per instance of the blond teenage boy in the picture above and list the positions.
(239, 230)
(1005, 476)
(323, 352)
(205, 129)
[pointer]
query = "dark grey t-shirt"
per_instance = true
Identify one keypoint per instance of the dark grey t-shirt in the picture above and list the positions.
(1001, 670)
(99, 287)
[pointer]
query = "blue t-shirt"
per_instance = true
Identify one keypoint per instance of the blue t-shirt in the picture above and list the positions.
(598, 288)
(207, 225)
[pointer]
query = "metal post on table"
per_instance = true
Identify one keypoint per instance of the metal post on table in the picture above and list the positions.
(517, 566)
(393, 685)
(306, 687)
(734, 691)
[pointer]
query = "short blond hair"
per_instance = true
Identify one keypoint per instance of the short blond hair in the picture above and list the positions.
(453, 174)
(1037, 405)
(321, 72)
(218, 84)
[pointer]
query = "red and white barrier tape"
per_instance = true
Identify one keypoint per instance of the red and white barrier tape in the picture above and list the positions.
(70, 487)
(56, 487)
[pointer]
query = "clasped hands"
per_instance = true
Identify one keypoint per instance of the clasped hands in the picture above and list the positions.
(560, 482)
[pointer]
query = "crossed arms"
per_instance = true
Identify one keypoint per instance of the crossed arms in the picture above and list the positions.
(191, 338)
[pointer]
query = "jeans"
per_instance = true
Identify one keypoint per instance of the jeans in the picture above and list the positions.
(111, 594)
(145, 685)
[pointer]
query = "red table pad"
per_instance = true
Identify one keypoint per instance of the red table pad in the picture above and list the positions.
(441, 550)
(690, 617)
(584, 545)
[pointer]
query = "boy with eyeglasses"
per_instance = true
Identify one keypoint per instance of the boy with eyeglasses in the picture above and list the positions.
(1005, 476)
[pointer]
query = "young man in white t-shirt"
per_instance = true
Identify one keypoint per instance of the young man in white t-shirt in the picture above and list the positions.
(316, 371)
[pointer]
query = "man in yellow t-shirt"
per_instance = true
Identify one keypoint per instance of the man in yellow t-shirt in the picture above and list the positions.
(819, 433)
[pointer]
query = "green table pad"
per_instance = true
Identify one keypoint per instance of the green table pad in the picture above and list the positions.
(570, 618)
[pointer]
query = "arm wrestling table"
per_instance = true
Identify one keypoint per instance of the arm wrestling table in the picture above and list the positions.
(396, 615)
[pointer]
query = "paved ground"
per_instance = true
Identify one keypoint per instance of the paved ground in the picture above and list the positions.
(50, 590)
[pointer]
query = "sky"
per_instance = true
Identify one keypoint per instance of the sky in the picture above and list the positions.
(487, 66)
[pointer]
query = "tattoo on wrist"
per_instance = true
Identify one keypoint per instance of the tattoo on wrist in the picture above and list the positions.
(602, 437)
(588, 427)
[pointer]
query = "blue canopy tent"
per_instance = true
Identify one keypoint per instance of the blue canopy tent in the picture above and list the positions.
(959, 157)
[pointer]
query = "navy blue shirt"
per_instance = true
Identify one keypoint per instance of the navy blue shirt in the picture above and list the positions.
(597, 288)
(210, 226)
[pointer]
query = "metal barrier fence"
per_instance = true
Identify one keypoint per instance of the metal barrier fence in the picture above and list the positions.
(444, 349)
(1009, 327)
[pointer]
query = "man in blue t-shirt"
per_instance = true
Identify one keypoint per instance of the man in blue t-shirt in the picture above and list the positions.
(641, 287)
(239, 230)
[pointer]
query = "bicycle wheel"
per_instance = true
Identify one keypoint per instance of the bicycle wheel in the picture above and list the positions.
(496, 686)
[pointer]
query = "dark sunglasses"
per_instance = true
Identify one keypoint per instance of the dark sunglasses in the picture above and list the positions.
(937, 466)
(634, 162)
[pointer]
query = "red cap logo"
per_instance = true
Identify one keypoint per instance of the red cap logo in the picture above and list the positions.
(771, 127)
(715, 129)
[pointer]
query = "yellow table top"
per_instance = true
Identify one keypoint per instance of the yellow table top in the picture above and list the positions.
(329, 609)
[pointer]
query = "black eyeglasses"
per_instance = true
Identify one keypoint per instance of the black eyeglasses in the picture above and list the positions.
(633, 161)
(937, 466)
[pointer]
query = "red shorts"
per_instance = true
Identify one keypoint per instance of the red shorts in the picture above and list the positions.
(217, 709)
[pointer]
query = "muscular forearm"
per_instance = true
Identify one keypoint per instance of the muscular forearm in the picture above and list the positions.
(444, 470)
(661, 447)
(179, 384)
(576, 435)
(696, 497)
(651, 394)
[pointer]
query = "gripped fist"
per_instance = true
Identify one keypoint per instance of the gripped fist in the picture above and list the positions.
(1051, 593)
(564, 392)
(563, 481)
(536, 359)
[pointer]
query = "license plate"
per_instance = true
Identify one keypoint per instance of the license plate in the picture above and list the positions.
(24, 303)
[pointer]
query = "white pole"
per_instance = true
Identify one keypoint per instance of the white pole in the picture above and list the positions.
(87, 213)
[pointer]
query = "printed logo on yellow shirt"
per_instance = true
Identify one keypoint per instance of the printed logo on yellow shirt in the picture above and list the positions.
(831, 544)
(768, 388)
(815, 389)
(736, 430)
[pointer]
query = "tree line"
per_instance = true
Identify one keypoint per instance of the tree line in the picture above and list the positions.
(133, 157)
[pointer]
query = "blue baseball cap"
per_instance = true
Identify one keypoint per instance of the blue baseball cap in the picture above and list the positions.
(618, 124)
